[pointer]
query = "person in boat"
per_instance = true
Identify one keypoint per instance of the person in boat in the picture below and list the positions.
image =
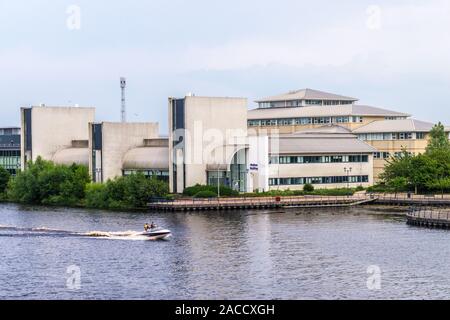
(147, 227)
(153, 225)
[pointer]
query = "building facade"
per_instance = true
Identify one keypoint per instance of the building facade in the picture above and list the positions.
(208, 144)
(118, 149)
(58, 134)
(10, 149)
(389, 132)
(326, 157)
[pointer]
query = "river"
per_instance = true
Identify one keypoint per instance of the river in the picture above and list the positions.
(357, 253)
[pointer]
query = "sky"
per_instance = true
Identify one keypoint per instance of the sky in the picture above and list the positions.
(393, 54)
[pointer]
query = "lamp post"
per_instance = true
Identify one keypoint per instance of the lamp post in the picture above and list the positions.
(348, 170)
(218, 182)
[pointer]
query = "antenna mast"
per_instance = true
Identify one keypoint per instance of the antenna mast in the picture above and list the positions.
(123, 84)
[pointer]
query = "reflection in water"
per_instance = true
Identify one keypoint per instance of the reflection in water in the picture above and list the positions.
(219, 255)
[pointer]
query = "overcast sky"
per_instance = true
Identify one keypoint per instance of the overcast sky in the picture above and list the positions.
(393, 54)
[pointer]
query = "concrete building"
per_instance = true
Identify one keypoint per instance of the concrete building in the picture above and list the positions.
(10, 149)
(326, 157)
(59, 134)
(208, 144)
(118, 149)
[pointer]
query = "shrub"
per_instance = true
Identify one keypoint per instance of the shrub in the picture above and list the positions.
(308, 187)
(47, 183)
(132, 191)
(4, 179)
(224, 191)
(359, 188)
(206, 194)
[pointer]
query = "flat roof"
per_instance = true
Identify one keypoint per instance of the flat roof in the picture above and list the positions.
(306, 94)
(321, 111)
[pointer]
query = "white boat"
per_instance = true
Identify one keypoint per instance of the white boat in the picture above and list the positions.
(157, 233)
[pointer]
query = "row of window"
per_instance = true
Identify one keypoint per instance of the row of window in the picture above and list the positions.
(318, 159)
(159, 174)
(317, 180)
(302, 103)
(392, 136)
(9, 131)
(303, 121)
(387, 155)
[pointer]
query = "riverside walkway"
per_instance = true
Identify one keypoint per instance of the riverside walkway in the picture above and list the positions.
(308, 201)
(260, 203)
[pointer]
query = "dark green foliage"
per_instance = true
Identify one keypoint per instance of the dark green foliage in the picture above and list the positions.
(47, 183)
(224, 191)
(4, 178)
(308, 187)
(424, 172)
(133, 191)
(206, 194)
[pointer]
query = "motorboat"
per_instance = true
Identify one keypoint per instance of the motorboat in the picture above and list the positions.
(157, 233)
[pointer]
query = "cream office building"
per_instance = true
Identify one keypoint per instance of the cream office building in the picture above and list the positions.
(326, 157)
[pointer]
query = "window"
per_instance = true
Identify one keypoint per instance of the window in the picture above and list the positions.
(318, 159)
(319, 180)
(313, 102)
(420, 135)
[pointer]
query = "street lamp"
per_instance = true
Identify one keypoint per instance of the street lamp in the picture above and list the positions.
(348, 170)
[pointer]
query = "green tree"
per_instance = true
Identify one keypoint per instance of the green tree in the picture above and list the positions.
(4, 179)
(132, 191)
(398, 184)
(44, 182)
(438, 140)
(441, 184)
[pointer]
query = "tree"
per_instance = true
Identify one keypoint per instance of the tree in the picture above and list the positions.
(44, 182)
(4, 179)
(442, 184)
(398, 184)
(438, 140)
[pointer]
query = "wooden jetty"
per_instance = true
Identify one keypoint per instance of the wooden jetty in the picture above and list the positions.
(259, 203)
(429, 217)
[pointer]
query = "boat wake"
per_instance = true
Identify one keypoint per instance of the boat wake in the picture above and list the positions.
(11, 231)
(120, 235)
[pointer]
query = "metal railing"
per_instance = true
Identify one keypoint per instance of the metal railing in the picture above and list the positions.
(427, 213)
(272, 200)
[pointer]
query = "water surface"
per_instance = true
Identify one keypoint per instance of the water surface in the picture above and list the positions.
(320, 254)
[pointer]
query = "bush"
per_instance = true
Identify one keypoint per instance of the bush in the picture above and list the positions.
(4, 179)
(359, 188)
(224, 191)
(47, 183)
(308, 187)
(205, 194)
(133, 191)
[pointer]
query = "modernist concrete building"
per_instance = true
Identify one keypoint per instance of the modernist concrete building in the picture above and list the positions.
(10, 149)
(118, 149)
(59, 134)
(208, 144)
(67, 135)
(327, 157)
